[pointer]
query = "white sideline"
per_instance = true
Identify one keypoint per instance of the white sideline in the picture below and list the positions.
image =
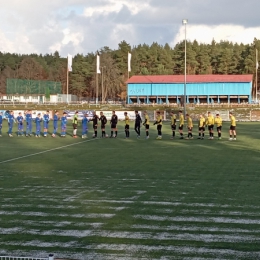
(50, 150)
(46, 151)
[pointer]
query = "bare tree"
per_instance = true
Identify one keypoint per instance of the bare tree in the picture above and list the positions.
(111, 78)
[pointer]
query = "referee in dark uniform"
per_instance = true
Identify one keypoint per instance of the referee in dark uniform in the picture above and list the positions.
(138, 121)
(113, 122)
(103, 121)
(95, 119)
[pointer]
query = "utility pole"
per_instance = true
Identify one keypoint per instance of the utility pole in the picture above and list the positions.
(256, 69)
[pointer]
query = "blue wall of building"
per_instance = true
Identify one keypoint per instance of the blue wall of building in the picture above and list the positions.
(192, 89)
(139, 90)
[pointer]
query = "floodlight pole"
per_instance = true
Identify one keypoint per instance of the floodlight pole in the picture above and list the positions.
(185, 21)
(256, 83)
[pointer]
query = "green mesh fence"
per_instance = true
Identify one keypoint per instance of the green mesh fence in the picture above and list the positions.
(24, 86)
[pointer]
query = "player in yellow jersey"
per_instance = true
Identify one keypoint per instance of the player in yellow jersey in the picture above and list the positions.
(146, 124)
(127, 134)
(173, 124)
(158, 122)
(202, 122)
(232, 129)
(189, 126)
(210, 124)
(218, 122)
(181, 124)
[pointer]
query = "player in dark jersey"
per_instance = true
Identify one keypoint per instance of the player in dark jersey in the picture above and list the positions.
(75, 124)
(146, 124)
(138, 121)
(103, 121)
(173, 124)
(127, 134)
(95, 119)
(113, 122)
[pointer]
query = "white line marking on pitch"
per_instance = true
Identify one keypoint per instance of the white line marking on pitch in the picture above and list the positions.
(50, 150)
(46, 151)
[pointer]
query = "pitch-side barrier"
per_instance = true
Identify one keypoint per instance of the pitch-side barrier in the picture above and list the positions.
(50, 257)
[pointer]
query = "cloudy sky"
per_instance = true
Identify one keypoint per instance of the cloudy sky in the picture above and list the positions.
(82, 26)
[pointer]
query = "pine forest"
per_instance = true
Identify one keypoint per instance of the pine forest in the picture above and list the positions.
(216, 58)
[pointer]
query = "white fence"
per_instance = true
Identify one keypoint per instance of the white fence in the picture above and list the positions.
(26, 258)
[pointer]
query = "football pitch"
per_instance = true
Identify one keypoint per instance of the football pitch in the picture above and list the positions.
(131, 199)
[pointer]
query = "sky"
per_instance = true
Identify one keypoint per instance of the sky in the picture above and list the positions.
(84, 26)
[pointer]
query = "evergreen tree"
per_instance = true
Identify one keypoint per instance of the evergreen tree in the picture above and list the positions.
(222, 57)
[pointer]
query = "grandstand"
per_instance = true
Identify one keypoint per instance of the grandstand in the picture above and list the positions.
(165, 89)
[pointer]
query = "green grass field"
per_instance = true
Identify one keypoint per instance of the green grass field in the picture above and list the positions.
(131, 199)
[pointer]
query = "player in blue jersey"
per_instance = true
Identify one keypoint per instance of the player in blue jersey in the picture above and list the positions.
(64, 121)
(38, 121)
(46, 119)
(28, 119)
(1, 123)
(55, 123)
(19, 120)
(11, 121)
(85, 126)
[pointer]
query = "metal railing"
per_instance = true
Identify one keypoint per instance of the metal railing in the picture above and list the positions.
(25, 258)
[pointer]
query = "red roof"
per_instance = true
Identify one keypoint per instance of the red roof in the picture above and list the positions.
(190, 78)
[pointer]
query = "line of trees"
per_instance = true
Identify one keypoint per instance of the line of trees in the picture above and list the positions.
(215, 58)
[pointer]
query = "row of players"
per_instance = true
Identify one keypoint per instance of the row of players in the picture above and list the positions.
(27, 120)
(210, 121)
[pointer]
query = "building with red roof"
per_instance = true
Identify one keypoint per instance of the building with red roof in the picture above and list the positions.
(199, 88)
